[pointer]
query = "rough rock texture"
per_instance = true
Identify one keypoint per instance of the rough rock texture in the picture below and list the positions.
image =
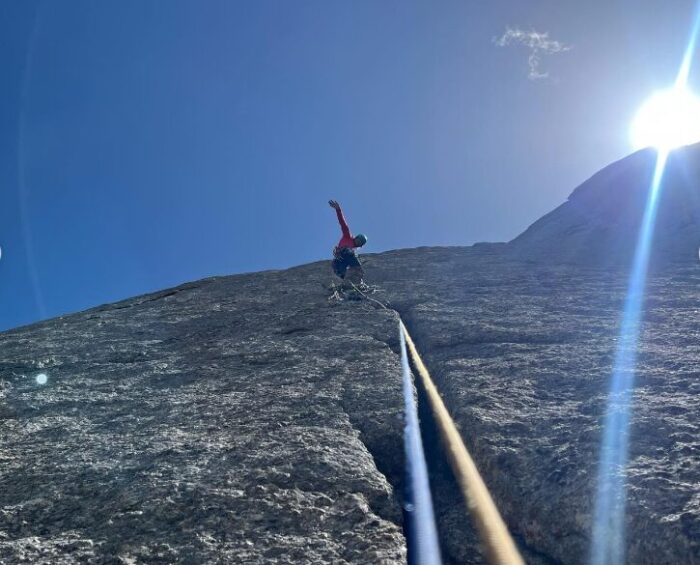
(523, 356)
(250, 419)
(600, 221)
(238, 420)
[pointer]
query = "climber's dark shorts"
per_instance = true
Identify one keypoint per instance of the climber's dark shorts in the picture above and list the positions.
(343, 258)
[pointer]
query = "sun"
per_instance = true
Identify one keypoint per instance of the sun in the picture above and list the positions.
(669, 119)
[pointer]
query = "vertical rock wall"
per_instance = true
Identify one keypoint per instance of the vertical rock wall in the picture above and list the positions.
(243, 420)
(523, 356)
(250, 419)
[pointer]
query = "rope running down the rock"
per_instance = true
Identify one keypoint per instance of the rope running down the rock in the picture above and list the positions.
(498, 544)
(497, 541)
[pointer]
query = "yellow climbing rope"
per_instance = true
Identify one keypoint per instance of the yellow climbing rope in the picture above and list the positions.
(498, 544)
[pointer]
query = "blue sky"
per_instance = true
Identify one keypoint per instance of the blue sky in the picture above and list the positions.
(147, 143)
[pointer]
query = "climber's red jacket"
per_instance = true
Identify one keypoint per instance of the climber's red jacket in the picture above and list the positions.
(347, 239)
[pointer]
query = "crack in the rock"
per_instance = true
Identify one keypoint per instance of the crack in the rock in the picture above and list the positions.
(384, 457)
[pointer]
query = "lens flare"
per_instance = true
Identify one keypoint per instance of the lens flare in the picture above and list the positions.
(609, 518)
(608, 544)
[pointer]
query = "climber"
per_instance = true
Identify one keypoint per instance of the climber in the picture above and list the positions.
(345, 261)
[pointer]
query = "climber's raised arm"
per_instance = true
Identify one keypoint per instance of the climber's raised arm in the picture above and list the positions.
(341, 219)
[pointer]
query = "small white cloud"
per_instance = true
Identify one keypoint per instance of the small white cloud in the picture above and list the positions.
(538, 43)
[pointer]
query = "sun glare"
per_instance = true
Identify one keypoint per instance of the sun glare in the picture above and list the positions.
(669, 119)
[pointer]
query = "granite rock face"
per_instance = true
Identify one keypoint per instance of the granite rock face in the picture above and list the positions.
(523, 355)
(241, 420)
(250, 419)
